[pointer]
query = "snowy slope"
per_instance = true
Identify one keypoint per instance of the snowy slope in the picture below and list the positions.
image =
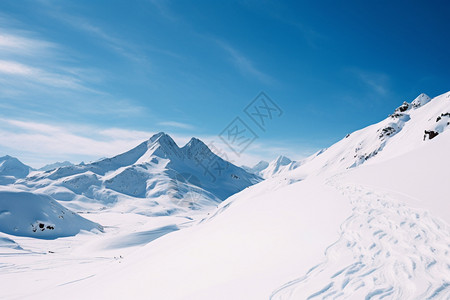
(269, 240)
(396, 243)
(367, 218)
(39, 216)
(11, 169)
(259, 239)
(401, 132)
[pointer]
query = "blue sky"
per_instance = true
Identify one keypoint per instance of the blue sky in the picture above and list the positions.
(81, 80)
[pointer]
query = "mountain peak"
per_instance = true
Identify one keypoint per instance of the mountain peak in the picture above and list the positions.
(261, 165)
(420, 100)
(194, 147)
(195, 142)
(11, 166)
(161, 137)
(282, 160)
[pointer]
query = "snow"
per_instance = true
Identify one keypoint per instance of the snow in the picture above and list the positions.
(418, 177)
(202, 260)
(421, 100)
(279, 166)
(56, 165)
(8, 243)
(11, 166)
(39, 216)
(366, 218)
(156, 169)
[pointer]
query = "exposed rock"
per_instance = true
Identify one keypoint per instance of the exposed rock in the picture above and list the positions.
(402, 108)
(430, 133)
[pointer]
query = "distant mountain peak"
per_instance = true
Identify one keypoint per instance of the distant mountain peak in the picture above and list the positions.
(56, 165)
(261, 165)
(282, 160)
(11, 166)
(155, 168)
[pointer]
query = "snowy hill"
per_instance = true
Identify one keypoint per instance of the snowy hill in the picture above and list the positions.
(365, 219)
(190, 177)
(405, 129)
(39, 216)
(11, 166)
(11, 169)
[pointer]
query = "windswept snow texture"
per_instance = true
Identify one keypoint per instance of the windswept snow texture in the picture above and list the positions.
(7, 243)
(39, 216)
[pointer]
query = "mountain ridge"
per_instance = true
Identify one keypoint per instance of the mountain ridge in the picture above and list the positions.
(155, 169)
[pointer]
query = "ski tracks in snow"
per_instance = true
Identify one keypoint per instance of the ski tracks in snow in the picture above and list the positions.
(386, 250)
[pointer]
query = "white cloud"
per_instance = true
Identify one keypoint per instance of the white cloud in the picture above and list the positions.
(23, 45)
(38, 143)
(176, 124)
(29, 65)
(46, 140)
(14, 68)
(53, 79)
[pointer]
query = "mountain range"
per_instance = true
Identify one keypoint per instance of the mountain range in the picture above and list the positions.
(155, 178)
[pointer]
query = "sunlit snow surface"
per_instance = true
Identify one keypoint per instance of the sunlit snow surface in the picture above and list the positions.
(365, 219)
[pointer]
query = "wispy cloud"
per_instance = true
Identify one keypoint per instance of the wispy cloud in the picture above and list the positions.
(46, 141)
(244, 64)
(176, 125)
(28, 58)
(13, 68)
(163, 9)
(117, 44)
(15, 43)
(38, 143)
(38, 76)
(376, 82)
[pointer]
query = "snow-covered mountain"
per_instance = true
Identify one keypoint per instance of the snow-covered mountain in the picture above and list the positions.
(405, 129)
(366, 218)
(11, 169)
(156, 170)
(276, 167)
(56, 165)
